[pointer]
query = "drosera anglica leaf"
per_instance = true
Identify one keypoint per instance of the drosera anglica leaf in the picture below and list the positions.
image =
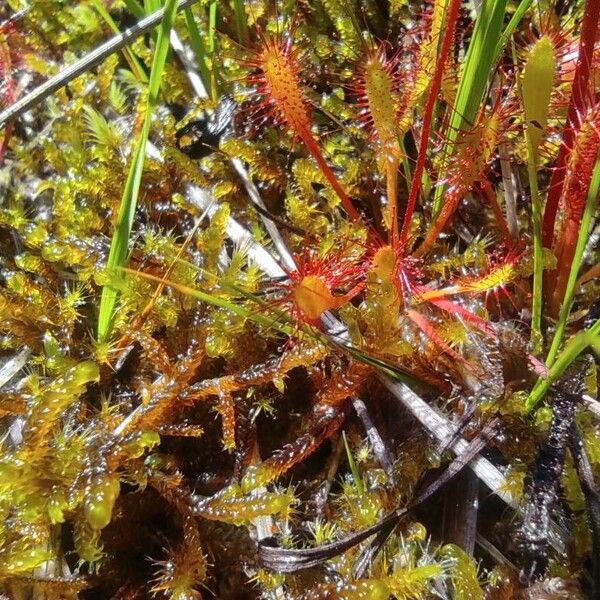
(536, 88)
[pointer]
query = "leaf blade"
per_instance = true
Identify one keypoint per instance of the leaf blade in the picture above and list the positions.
(120, 239)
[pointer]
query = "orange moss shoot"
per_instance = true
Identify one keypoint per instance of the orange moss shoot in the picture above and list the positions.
(257, 375)
(325, 418)
(226, 408)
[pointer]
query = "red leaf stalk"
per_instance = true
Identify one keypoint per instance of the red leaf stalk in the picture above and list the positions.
(415, 188)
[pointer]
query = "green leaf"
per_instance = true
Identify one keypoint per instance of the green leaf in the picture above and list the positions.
(512, 25)
(241, 24)
(119, 244)
(358, 482)
(203, 56)
(478, 65)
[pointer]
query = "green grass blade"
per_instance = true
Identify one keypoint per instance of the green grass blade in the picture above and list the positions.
(582, 239)
(240, 21)
(575, 346)
(135, 9)
(356, 478)
(512, 25)
(212, 27)
(151, 6)
(278, 320)
(135, 65)
(479, 62)
(119, 244)
(207, 74)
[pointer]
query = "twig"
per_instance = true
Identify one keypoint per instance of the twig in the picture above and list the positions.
(89, 61)
(379, 448)
(470, 451)
(460, 511)
(290, 560)
(442, 429)
(13, 365)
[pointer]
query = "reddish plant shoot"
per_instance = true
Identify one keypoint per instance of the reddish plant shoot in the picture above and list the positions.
(415, 188)
(277, 77)
(320, 284)
(581, 161)
(579, 103)
(467, 167)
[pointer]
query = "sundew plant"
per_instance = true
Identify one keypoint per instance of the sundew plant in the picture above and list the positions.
(299, 299)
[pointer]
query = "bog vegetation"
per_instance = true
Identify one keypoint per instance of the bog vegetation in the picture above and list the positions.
(273, 273)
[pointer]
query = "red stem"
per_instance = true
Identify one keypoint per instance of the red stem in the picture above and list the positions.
(313, 148)
(415, 188)
(564, 258)
(580, 98)
(453, 197)
(498, 214)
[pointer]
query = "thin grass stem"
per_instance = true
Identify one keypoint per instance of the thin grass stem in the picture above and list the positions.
(203, 56)
(575, 346)
(130, 57)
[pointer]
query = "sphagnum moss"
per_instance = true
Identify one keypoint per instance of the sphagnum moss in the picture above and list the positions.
(206, 442)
